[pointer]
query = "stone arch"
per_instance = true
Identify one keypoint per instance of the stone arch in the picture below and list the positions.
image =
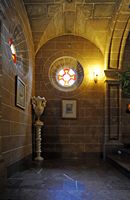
(119, 31)
(45, 61)
(59, 26)
(125, 36)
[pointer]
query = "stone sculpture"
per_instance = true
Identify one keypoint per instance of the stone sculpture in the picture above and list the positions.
(39, 104)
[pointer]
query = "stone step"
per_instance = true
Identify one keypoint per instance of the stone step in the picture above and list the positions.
(122, 162)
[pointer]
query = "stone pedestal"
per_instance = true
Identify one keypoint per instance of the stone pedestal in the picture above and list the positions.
(39, 103)
(38, 139)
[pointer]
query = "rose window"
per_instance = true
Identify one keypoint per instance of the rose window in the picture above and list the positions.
(66, 77)
(66, 73)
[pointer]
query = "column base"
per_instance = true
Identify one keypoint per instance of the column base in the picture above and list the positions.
(39, 158)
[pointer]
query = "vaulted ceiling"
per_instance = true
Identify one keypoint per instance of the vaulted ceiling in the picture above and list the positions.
(95, 20)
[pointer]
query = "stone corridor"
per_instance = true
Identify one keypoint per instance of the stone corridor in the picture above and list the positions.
(68, 180)
(76, 55)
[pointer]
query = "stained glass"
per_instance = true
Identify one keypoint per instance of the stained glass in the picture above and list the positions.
(13, 51)
(66, 77)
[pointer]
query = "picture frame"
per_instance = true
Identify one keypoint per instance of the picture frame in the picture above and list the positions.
(69, 109)
(20, 96)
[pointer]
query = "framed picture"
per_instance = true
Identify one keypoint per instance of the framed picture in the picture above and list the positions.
(20, 93)
(69, 109)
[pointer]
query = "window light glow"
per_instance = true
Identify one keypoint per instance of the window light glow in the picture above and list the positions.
(13, 50)
(66, 77)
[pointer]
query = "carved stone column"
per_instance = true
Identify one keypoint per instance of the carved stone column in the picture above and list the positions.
(112, 135)
(38, 126)
(39, 103)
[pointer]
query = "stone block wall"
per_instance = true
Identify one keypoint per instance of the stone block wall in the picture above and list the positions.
(71, 137)
(126, 100)
(16, 123)
(2, 164)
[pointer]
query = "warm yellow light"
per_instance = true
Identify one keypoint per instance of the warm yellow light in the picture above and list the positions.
(95, 73)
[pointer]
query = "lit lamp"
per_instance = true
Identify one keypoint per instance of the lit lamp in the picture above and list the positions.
(95, 75)
(95, 78)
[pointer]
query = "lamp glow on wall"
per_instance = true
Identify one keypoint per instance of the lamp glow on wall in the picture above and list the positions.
(96, 73)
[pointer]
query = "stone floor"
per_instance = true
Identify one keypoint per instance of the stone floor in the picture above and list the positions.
(68, 180)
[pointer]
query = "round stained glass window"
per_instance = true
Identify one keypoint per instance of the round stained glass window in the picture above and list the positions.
(66, 73)
(66, 77)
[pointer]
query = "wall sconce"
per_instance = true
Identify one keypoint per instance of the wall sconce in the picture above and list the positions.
(95, 78)
(96, 75)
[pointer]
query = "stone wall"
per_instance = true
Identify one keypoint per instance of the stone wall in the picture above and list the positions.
(71, 137)
(16, 123)
(125, 101)
(2, 164)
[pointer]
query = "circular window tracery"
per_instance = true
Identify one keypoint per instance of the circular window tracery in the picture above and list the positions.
(66, 77)
(66, 73)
